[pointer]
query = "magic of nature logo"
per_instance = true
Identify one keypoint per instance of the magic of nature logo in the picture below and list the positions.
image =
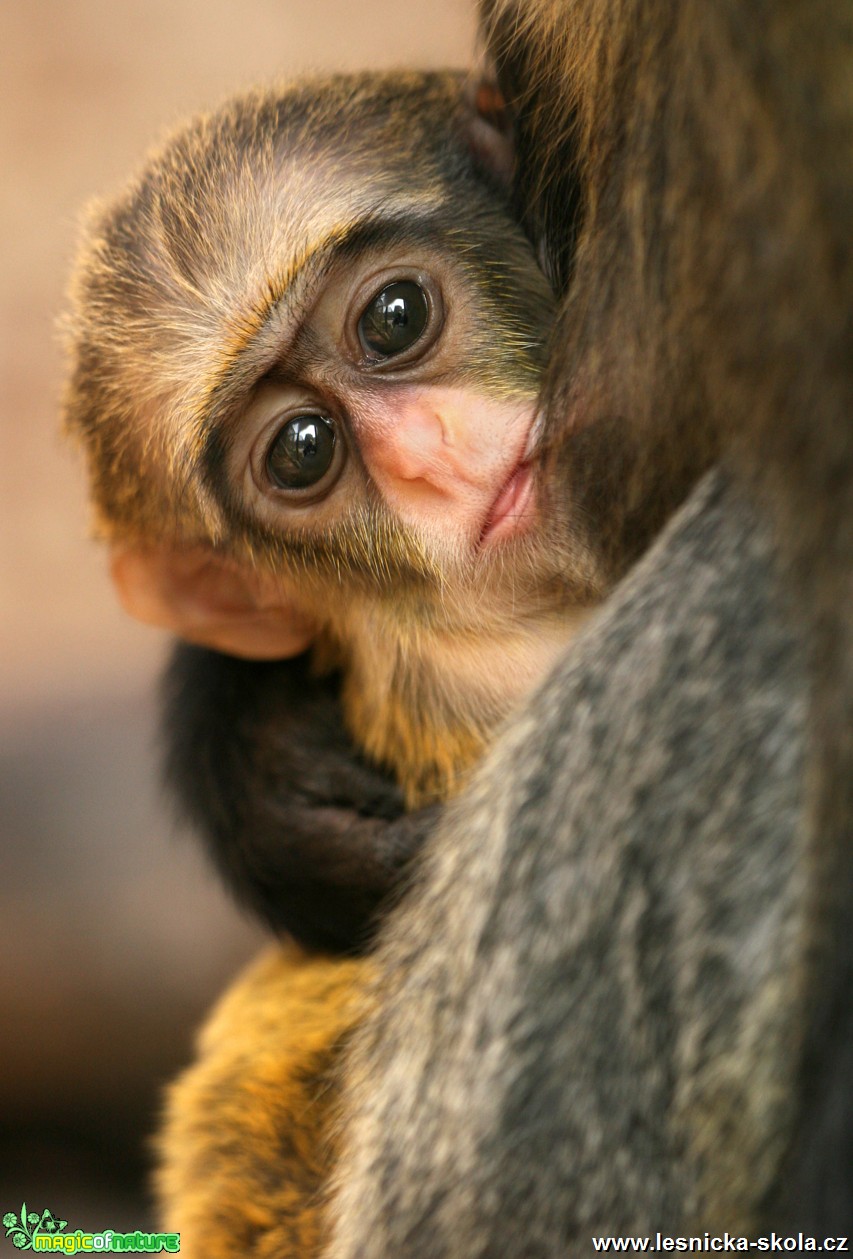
(29, 1230)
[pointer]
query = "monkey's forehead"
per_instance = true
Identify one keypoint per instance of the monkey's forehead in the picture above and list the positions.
(261, 180)
(210, 271)
(264, 170)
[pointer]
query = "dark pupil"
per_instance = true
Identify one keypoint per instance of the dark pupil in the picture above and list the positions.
(395, 318)
(301, 454)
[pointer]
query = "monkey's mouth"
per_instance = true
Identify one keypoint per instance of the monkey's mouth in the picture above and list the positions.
(513, 510)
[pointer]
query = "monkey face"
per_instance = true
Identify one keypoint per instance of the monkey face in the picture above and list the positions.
(309, 339)
(383, 419)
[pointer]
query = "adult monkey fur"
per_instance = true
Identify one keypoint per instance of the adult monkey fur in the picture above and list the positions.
(623, 1003)
(229, 303)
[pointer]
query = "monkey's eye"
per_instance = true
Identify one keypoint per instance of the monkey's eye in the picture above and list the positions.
(394, 319)
(301, 453)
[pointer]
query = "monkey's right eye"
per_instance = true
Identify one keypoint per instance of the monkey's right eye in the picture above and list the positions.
(301, 453)
(394, 319)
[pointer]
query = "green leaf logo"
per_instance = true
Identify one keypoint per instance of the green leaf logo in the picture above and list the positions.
(24, 1227)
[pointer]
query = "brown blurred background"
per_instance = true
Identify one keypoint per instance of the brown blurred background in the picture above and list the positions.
(113, 937)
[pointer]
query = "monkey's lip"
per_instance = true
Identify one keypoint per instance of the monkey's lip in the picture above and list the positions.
(512, 510)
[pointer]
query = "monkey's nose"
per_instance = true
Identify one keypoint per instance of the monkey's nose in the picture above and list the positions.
(417, 450)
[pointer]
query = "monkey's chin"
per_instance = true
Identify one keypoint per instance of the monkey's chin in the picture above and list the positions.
(513, 511)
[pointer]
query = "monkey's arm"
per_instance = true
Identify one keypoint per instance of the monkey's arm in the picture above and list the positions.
(302, 829)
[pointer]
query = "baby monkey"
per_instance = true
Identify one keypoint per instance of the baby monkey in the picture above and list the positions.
(307, 346)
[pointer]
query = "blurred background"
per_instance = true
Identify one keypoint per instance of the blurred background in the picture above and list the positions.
(114, 939)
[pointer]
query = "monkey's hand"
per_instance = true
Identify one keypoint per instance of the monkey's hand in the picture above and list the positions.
(302, 829)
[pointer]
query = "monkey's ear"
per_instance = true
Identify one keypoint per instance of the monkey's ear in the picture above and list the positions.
(208, 600)
(490, 132)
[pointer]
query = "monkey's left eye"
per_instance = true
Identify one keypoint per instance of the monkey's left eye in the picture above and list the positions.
(394, 319)
(301, 453)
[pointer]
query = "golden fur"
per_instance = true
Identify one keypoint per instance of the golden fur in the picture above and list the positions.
(247, 1144)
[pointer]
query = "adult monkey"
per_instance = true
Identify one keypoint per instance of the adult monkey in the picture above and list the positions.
(623, 1001)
